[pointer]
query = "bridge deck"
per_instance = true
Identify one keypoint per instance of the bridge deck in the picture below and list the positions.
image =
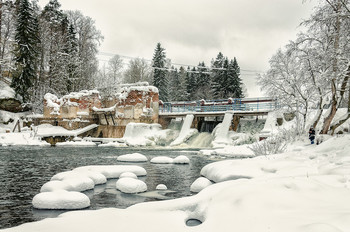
(240, 107)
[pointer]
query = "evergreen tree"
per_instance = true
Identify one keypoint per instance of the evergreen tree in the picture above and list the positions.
(234, 81)
(191, 82)
(183, 94)
(160, 73)
(217, 76)
(175, 85)
(26, 51)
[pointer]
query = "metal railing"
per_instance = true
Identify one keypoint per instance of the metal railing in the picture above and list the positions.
(219, 106)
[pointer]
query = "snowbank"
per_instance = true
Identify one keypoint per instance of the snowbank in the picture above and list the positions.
(21, 139)
(76, 144)
(6, 91)
(230, 152)
(134, 157)
(200, 184)
(299, 191)
(142, 134)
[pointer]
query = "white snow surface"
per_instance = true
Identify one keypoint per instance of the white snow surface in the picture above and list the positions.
(60, 199)
(131, 185)
(128, 174)
(114, 171)
(199, 184)
(162, 160)
(6, 91)
(220, 133)
(76, 144)
(185, 131)
(181, 159)
(134, 157)
(161, 187)
(96, 177)
(230, 151)
(143, 134)
(306, 189)
(21, 139)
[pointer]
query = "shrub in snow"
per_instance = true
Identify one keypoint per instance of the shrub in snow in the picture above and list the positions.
(60, 199)
(134, 157)
(131, 185)
(161, 187)
(162, 160)
(128, 174)
(200, 184)
(269, 146)
(181, 159)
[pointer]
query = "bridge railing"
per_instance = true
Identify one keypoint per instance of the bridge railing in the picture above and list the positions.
(177, 107)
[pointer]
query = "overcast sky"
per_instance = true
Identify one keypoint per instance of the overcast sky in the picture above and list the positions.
(197, 30)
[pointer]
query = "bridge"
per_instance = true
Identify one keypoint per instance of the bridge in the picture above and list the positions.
(208, 113)
(212, 108)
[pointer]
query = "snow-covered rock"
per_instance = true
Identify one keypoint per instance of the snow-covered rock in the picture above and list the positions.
(114, 171)
(97, 177)
(128, 174)
(199, 184)
(131, 185)
(55, 185)
(143, 134)
(76, 143)
(134, 157)
(161, 187)
(60, 199)
(181, 159)
(162, 160)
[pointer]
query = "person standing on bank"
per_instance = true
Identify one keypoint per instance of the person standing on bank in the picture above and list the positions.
(312, 134)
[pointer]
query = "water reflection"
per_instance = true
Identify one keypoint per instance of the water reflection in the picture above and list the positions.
(23, 170)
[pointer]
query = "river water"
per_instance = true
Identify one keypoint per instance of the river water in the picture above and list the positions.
(23, 170)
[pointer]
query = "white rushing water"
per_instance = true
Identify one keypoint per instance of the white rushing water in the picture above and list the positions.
(186, 131)
(201, 140)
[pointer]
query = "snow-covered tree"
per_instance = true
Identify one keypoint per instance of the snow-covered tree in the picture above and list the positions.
(26, 51)
(160, 72)
(138, 70)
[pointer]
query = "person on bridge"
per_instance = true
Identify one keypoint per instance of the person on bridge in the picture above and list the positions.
(312, 134)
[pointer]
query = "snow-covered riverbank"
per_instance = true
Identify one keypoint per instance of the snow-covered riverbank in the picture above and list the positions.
(304, 189)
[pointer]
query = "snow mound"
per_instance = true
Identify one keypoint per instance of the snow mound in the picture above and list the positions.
(60, 199)
(199, 184)
(97, 177)
(21, 139)
(161, 187)
(162, 160)
(128, 174)
(134, 157)
(6, 91)
(143, 134)
(181, 159)
(55, 185)
(131, 185)
(114, 171)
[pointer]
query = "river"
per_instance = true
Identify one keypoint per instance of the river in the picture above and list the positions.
(23, 170)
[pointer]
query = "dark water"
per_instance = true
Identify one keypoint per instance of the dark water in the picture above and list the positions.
(23, 170)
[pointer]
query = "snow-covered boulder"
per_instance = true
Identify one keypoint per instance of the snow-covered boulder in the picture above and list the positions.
(162, 160)
(80, 184)
(60, 199)
(97, 177)
(55, 185)
(128, 174)
(82, 143)
(114, 171)
(131, 185)
(161, 187)
(200, 184)
(181, 159)
(134, 157)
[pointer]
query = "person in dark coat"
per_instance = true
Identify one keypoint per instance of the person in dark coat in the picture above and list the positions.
(312, 134)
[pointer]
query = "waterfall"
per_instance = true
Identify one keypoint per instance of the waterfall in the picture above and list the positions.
(186, 131)
(200, 140)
